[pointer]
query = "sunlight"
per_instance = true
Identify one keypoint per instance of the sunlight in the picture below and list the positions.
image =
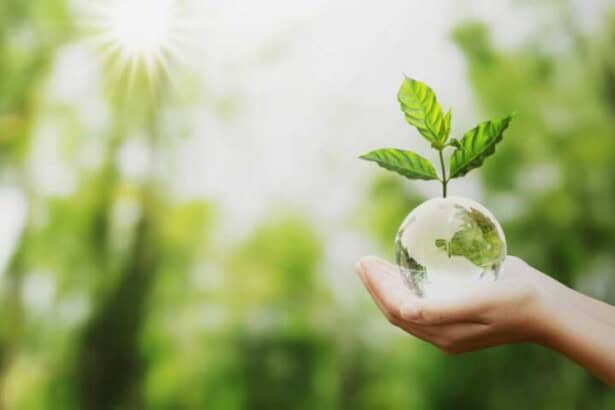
(137, 34)
(139, 29)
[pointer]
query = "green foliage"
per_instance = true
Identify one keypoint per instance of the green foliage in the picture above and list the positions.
(405, 163)
(476, 145)
(275, 266)
(447, 124)
(421, 109)
(153, 307)
(453, 142)
(385, 204)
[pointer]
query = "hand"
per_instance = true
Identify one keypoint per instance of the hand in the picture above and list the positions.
(523, 305)
(512, 309)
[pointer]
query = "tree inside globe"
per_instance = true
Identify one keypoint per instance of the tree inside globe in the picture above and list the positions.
(448, 244)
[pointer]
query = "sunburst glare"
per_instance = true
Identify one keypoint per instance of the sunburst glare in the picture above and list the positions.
(137, 35)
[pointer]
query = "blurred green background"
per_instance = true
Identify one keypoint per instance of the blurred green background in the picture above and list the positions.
(185, 240)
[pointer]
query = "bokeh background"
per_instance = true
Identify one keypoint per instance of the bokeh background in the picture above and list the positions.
(186, 239)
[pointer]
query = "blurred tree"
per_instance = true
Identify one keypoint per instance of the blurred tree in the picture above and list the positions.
(28, 40)
(283, 346)
(146, 313)
(110, 364)
(389, 201)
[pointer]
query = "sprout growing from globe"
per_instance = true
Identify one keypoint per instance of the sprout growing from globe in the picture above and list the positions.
(446, 244)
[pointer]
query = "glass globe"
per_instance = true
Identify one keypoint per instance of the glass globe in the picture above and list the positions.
(447, 245)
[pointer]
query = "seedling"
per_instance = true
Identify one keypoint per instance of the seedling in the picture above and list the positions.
(422, 110)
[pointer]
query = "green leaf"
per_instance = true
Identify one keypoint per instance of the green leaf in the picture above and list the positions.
(476, 145)
(406, 163)
(422, 110)
(454, 142)
(447, 123)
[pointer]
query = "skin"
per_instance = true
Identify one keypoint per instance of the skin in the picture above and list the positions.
(523, 306)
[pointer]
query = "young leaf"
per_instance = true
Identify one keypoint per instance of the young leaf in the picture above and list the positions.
(422, 110)
(476, 145)
(454, 142)
(447, 123)
(406, 163)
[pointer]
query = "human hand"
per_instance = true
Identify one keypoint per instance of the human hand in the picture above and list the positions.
(513, 309)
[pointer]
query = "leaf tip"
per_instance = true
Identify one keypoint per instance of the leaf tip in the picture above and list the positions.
(368, 156)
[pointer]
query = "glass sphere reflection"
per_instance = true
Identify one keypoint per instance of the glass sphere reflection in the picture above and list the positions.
(446, 245)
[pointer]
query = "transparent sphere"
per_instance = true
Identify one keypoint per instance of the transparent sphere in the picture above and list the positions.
(447, 245)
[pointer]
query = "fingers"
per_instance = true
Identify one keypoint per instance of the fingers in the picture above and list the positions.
(387, 288)
(483, 303)
(457, 337)
(471, 308)
(385, 285)
(360, 272)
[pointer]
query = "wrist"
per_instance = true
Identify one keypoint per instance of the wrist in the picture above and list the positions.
(554, 313)
(550, 304)
(546, 313)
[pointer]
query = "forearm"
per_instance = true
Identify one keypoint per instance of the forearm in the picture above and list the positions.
(595, 308)
(592, 307)
(581, 337)
(577, 326)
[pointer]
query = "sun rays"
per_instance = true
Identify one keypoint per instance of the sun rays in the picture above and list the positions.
(139, 36)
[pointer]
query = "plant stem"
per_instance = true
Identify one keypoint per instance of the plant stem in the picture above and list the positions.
(444, 179)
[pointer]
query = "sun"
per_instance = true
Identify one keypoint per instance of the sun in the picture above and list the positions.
(138, 35)
(141, 29)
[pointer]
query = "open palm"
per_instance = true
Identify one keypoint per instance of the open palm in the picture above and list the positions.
(505, 311)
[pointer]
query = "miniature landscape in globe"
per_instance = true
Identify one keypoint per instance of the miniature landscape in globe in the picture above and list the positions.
(446, 244)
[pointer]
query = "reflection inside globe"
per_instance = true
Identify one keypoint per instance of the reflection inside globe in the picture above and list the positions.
(447, 245)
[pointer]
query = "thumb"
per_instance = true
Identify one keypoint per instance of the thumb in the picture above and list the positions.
(385, 285)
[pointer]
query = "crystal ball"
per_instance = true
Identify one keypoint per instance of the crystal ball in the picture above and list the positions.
(449, 245)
